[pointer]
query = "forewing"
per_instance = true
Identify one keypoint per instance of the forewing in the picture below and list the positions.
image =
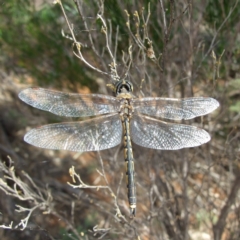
(69, 104)
(152, 133)
(91, 135)
(175, 109)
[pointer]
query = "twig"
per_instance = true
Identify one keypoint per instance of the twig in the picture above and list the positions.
(24, 192)
(76, 43)
(214, 38)
(219, 226)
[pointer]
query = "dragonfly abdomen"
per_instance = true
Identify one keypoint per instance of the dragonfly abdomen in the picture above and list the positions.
(129, 161)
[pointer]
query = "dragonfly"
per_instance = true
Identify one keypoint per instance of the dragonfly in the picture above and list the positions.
(120, 117)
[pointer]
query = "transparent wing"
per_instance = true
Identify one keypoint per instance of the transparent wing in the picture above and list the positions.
(69, 104)
(152, 133)
(176, 109)
(90, 135)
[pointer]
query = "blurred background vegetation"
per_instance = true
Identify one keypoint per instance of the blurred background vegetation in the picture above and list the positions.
(188, 194)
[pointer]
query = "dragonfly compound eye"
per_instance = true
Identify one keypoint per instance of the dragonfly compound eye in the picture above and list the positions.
(123, 86)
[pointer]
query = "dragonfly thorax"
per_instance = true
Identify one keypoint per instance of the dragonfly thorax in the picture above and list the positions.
(126, 109)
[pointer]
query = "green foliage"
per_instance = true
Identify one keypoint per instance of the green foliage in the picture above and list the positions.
(31, 41)
(82, 229)
(235, 107)
(217, 11)
(204, 217)
(234, 87)
(234, 84)
(65, 235)
(215, 15)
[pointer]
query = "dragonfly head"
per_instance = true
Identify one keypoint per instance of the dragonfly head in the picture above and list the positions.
(123, 87)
